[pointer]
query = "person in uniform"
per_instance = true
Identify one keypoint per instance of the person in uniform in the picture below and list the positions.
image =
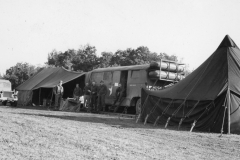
(102, 92)
(58, 91)
(120, 91)
(94, 90)
(86, 92)
(77, 92)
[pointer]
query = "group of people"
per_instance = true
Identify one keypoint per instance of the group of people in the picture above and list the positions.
(94, 96)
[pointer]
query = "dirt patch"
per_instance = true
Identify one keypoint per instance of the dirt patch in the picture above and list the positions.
(40, 134)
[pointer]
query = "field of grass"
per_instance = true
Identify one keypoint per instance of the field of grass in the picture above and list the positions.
(32, 133)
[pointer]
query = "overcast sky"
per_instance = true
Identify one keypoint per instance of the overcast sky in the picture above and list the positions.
(192, 30)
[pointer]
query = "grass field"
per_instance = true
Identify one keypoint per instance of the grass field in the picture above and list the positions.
(31, 133)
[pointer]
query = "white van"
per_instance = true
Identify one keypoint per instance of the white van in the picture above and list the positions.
(6, 93)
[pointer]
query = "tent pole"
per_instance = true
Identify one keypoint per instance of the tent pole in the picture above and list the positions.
(51, 100)
(229, 110)
(39, 96)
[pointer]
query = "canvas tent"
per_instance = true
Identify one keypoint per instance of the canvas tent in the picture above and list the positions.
(208, 99)
(39, 86)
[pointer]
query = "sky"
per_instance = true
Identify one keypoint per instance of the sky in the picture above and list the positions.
(189, 29)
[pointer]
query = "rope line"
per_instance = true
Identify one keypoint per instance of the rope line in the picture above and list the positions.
(191, 110)
(178, 108)
(205, 110)
(155, 106)
(168, 106)
(235, 110)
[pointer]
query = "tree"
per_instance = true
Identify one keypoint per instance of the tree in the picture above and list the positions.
(105, 59)
(141, 55)
(85, 59)
(19, 73)
(59, 59)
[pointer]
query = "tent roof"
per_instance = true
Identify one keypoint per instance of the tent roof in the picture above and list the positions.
(216, 74)
(48, 78)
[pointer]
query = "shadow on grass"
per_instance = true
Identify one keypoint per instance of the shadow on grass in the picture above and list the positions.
(25, 107)
(108, 119)
(111, 120)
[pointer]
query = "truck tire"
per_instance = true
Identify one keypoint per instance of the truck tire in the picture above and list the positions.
(4, 103)
(138, 106)
(14, 104)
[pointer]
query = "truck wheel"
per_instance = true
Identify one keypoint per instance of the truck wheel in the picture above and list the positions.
(14, 104)
(4, 103)
(138, 106)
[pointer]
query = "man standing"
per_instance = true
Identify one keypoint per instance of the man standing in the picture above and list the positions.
(94, 90)
(58, 91)
(77, 92)
(86, 91)
(120, 91)
(102, 92)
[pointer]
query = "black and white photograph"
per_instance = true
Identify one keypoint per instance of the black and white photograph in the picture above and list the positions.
(119, 80)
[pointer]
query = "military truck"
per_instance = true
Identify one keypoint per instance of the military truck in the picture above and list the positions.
(6, 93)
(151, 76)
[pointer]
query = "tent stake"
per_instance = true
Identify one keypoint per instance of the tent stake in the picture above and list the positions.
(138, 118)
(146, 119)
(155, 123)
(167, 122)
(193, 125)
(180, 123)
(154, 107)
(141, 110)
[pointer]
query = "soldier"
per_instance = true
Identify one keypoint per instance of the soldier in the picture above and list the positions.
(77, 92)
(86, 91)
(102, 92)
(94, 90)
(58, 91)
(120, 91)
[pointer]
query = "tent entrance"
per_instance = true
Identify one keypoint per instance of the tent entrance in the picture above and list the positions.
(47, 93)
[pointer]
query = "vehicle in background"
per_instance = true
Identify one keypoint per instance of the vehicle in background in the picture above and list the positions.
(133, 78)
(6, 93)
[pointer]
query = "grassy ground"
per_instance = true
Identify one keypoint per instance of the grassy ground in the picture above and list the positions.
(40, 134)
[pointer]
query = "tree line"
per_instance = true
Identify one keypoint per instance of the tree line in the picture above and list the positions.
(85, 59)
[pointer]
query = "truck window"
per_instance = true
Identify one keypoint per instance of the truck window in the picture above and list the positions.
(107, 76)
(135, 74)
